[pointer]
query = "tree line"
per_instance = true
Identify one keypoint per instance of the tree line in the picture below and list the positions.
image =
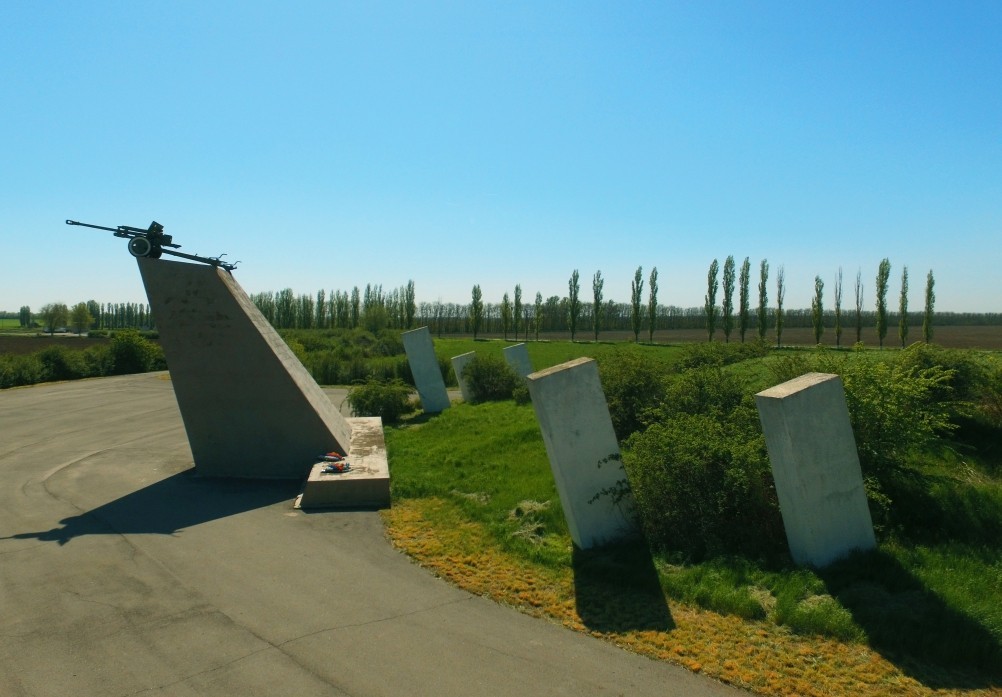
(87, 316)
(729, 308)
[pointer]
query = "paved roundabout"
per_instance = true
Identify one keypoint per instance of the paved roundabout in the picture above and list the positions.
(122, 573)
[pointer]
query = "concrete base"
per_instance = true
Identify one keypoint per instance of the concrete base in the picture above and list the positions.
(250, 408)
(583, 452)
(814, 461)
(517, 357)
(458, 363)
(425, 369)
(365, 485)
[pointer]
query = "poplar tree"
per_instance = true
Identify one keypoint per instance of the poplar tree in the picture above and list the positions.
(573, 302)
(930, 300)
(728, 304)
(818, 310)
(763, 298)
(537, 319)
(903, 308)
(505, 315)
(476, 311)
(859, 307)
(636, 295)
(780, 295)
(838, 308)
(652, 303)
(596, 287)
(710, 301)
(743, 280)
(883, 276)
(518, 307)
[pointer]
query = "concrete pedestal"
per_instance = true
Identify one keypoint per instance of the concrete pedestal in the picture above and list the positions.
(814, 461)
(250, 408)
(517, 357)
(458, 363)
(583, 452)
(366, 484)
(424, 367)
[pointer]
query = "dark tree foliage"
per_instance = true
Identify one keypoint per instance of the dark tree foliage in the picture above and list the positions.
(883, 277)
(710, 300)
(744, 279)
(573, 302)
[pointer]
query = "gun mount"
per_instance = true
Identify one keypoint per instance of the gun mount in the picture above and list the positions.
(152, 243)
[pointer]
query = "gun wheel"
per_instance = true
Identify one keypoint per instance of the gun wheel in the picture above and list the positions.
(140, 247)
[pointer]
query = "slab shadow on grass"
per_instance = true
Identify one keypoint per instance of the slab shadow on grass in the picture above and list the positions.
(616, 589)
(912, 626)
(169, 506)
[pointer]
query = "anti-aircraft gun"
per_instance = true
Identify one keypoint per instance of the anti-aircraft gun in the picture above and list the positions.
(153, 242)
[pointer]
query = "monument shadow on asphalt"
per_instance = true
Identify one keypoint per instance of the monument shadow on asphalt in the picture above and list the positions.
(180, 501)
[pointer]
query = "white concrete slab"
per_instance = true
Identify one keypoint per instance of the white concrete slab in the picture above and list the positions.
(427, 374)
(458, 364)
(583, 451)
(814, 461)
(517, 357)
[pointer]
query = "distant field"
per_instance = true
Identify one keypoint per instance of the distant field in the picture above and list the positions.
(976, 336)
(10, 323)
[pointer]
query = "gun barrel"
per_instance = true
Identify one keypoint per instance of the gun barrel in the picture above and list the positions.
(96, 227)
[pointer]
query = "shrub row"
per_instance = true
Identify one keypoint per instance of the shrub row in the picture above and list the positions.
(128, 352)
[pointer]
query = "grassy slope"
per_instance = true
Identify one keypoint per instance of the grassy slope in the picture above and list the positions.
(474, 501)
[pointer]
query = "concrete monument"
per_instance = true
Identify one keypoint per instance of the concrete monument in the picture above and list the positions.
(583, 452)
(814, 461)
(458, 364)
(249, 407)
(424, 367)
(517, 357)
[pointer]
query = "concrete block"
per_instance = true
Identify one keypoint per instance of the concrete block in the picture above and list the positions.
(814, 461)
(250, 408)
(517, 357)
(365, 485)
(458, 363)
(425, 369)
(583, 452)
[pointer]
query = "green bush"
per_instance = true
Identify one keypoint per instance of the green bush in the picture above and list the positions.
(703, 485)
(61, 363)
(633, 385)
(491, 379)
(16, 371)
(716, 354)
(131, 353)
(390, 400)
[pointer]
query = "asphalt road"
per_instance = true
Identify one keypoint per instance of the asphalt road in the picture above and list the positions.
(122, 573)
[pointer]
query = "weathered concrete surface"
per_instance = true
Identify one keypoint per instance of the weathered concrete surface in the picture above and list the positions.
(366, 484)
(583, 451)
(250, 408)
(814, 461)
(517, 356)
(458, 364)
(425, 369)
(121, 574)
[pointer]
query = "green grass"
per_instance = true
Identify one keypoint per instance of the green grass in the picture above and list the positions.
(546, 354)
(496, 471)
(936, 577)
(7, 323)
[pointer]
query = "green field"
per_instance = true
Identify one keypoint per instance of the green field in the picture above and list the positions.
(472, 490)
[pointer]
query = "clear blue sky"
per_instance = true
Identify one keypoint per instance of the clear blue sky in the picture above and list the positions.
(331, 144)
